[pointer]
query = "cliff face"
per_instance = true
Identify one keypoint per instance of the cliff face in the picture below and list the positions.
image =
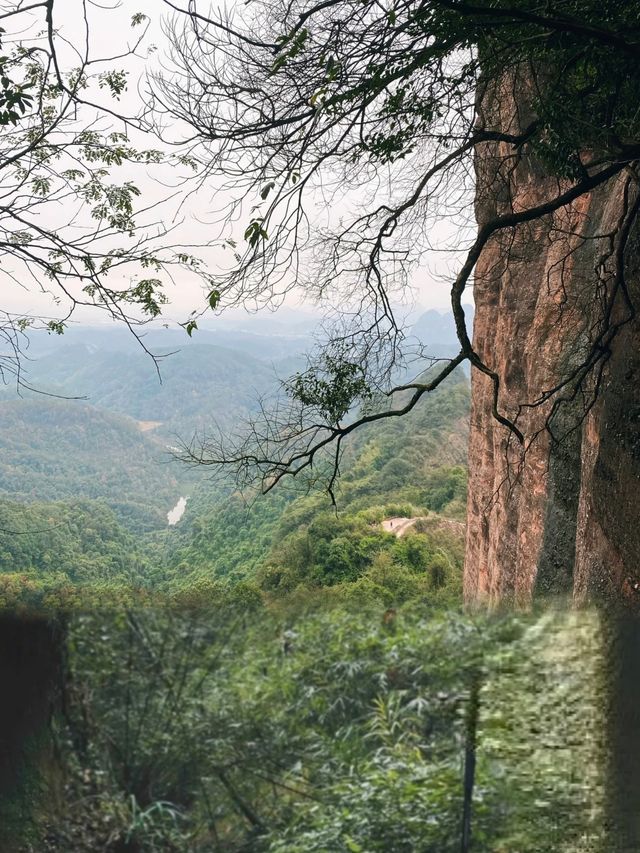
(564, 515)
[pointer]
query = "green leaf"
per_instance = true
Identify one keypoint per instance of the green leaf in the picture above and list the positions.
(267, 189)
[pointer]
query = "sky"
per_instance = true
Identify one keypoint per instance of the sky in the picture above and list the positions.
(110, 29)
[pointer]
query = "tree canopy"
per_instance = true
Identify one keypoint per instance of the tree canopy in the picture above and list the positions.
(72, 220)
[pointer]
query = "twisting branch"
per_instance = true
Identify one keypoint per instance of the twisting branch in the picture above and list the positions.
(592, 364)
(499, 223)
(379, 110)
(268, 454)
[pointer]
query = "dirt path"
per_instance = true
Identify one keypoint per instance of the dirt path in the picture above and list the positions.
(146, 426)
(399, 525)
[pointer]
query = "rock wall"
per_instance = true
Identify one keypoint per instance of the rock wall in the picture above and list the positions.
(562, 516)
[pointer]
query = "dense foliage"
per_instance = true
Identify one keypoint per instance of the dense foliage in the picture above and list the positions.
(60, 556)
(54, 450)
(332, 729)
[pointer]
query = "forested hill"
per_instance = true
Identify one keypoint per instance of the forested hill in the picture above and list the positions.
(197, 385)
(115, 445)
(215, 376)
(402, 467)
(201, 384)
(66, 544)
(116, 451)
(52, 450)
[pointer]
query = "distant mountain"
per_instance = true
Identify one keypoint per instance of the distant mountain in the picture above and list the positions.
(198, 385)
(216, 377)
(272, 343)
(283, 322)
(437, 332)
(114, 443)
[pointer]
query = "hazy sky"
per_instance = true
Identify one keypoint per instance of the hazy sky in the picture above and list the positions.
(110, 31)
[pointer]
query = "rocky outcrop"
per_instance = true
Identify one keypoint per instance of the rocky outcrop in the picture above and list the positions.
(562, 515)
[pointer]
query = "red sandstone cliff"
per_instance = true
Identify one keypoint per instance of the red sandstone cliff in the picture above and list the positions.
(565, 515)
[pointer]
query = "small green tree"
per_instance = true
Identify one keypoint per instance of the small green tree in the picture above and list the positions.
(72, 221)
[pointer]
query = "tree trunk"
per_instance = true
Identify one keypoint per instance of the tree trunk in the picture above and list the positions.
(31, 659)
(473, 708)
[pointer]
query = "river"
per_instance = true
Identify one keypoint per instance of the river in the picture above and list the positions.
(174, 515)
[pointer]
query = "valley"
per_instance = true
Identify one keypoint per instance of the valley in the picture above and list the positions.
(232, 657)
(294, 559)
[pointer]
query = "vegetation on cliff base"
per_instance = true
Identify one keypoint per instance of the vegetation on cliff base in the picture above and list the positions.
(331, 729)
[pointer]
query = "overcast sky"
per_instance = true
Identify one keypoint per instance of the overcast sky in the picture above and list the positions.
(110, 30)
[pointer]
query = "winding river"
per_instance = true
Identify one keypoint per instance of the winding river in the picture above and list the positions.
(174, 515)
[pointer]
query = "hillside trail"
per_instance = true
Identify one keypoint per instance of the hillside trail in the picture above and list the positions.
(400, 525)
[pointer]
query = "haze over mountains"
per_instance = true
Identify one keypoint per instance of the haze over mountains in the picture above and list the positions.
(115, 443)
(437, 332)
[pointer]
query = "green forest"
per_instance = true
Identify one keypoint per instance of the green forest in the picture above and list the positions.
(317, 726)
(277, 673)
(274, 544)
(293, 558)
